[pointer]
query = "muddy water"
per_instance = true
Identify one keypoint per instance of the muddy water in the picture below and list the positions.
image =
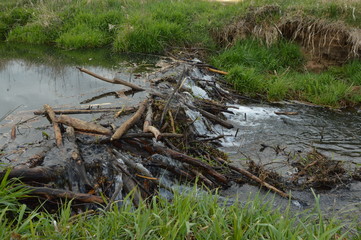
(334, 134)
(32, 76)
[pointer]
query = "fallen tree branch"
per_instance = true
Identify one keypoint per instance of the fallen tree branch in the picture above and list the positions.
(86, 111)
(53, 120)
(190, 160)
(83, 125)
(147, 127)
(255, 178)
(114, 80)
(130, 122)
(37, 174)
(51, 193)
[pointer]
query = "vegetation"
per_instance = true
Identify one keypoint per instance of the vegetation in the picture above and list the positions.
(192, 215)
(271, 70)
(274, 71)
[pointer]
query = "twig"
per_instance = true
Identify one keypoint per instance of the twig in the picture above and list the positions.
(181, 81)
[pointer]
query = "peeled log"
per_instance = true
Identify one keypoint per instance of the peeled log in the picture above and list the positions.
(57, 132)
(147, 127)
(130, 122)
(83, 125)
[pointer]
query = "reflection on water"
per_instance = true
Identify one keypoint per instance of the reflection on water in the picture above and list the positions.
(32, 76)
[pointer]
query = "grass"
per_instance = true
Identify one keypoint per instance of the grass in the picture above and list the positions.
(190, 215)
(276, 73)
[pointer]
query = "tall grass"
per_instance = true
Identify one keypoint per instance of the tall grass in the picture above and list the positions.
(192, 215)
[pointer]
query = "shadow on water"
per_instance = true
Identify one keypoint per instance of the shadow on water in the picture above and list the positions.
(31, 76)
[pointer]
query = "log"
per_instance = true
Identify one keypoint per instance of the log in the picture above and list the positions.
(190, 160)
(76, 166)
(87, 111)
(129, 184)
(114, 80)
(140, 169)
(36, 174)
(83, 125)
(51, 193)
(147, 127)
(172, 169)
(255, 178)
(130, 122)
(54, 121)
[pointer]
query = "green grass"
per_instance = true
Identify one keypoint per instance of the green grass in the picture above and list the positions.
(276, 73)
(192, 215)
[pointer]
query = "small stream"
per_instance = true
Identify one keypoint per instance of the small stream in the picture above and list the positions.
(33, 76)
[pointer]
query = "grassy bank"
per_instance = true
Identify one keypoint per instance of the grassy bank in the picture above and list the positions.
(190, 215)
(269, 67)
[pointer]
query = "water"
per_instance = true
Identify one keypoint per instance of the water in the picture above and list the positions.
(32, 76)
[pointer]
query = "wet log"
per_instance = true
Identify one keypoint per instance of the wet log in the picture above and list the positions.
(212, 117)
(76, 166)
(114, 80)
(51, 193)
(36, 174)
(191, 161)
(83, 125)
(54, 121)
(147, 127)
(255, 178)
(130, 122)
(138, 167)
(130, 185)
(87, 111)
(175, 170)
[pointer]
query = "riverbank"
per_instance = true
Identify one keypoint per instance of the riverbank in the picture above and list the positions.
(269, 50)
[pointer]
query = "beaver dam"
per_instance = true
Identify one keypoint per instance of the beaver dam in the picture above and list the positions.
(183, 126)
